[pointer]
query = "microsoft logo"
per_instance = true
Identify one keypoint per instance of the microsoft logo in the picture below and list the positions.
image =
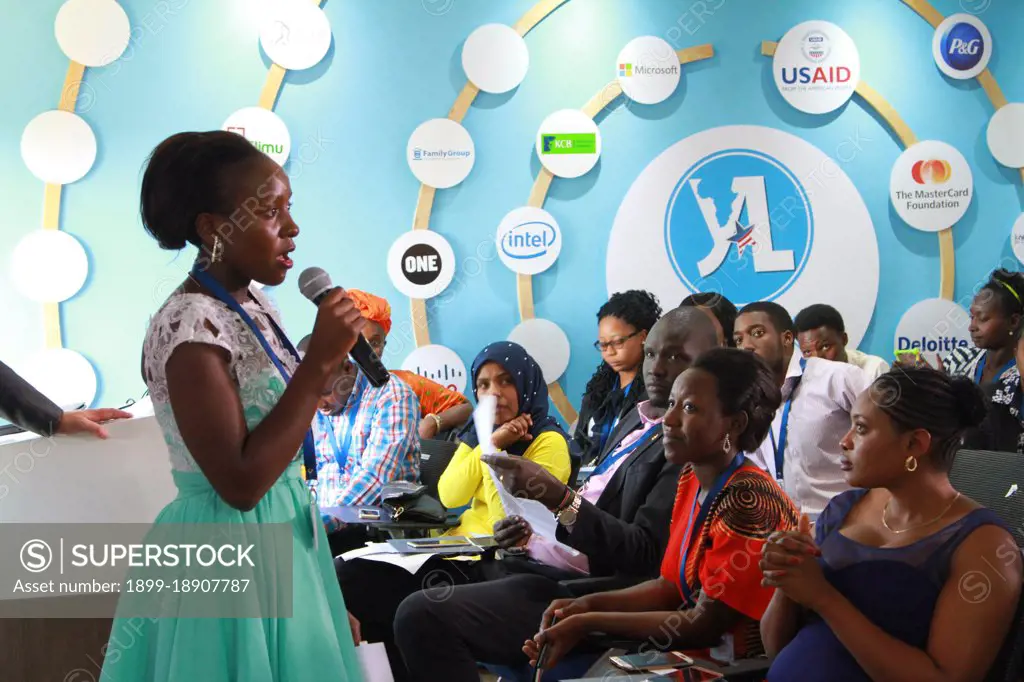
(568, 143)
(625, 70)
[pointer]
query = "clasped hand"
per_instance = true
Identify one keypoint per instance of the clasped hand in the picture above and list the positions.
(789, 562)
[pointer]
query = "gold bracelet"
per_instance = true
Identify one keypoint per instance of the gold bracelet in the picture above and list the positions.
(437, 420)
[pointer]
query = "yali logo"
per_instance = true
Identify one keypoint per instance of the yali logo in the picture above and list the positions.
(725, 200)
(745, 211)
(528, 240)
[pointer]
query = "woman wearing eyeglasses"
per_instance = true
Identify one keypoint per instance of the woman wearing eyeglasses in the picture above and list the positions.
(618, 384)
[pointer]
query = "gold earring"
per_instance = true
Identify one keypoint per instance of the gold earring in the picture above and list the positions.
(218, 250)
(911, 463)
(727, 443)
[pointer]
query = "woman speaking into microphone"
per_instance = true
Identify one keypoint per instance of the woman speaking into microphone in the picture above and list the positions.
(235, 408)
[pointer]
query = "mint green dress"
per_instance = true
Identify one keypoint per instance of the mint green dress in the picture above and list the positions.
(316, 642)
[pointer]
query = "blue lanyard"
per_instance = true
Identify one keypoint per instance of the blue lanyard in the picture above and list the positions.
(979, 369)
(614, 457)
(698, 522)
(341, 450)
(215, 288)
(608, 427)
(780, 448)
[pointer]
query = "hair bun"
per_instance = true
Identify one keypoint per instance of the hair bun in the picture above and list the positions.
(970, 402)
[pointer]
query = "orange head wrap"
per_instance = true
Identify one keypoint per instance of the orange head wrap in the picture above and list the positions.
(373, 308)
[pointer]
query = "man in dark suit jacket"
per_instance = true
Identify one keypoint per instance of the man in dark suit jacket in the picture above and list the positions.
(27, 408)
(615, 540)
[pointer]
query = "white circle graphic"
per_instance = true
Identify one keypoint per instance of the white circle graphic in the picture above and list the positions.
(58, 147)
(264, 129)
(495, 58)
(648, 70)
(546, 343)
(439, 364)
(816, 67)
(296, 34)
(36, 556)
(568, 143)
(421, 264)
(784, 257)
(962, 46)
(1005, 135)
(440, 153)
(92, 32)
(62, 375)
(1017, 238)
(933, 327)
(931, 186)
(528, 240)
(49, 266)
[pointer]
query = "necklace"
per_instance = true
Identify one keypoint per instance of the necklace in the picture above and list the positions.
(885, 523)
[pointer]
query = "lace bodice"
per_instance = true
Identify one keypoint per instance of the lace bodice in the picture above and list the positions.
(198, 318)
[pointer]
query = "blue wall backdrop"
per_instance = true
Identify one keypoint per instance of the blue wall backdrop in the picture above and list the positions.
(395, 64)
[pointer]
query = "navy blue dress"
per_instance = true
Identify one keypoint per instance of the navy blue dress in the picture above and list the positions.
(895, 588)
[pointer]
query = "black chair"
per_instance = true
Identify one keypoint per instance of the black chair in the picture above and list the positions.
(434, 458)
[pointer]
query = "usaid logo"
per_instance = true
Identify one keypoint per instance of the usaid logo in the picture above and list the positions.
(750, 212)
(962, 46)
(719, 222)
(529, 240)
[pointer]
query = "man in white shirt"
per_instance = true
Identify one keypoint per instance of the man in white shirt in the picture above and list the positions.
(821, 333)
(802, 448)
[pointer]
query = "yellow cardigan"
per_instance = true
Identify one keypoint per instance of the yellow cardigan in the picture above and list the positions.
(466, 479)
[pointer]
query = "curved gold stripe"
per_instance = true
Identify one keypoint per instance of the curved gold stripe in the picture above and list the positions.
(947, 255)
(425, 199)
(986, 79)
(524, 283)
(51, 202)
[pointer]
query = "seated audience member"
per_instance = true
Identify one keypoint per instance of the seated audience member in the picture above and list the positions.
(709, 595)
(523, 429)
(914, 581)
(821, 333)
(722, 311)
(802, 448)
(1003, 427)
(441, 409)
(618, 384)
(365, 437)
(612, 534)
(995, 313)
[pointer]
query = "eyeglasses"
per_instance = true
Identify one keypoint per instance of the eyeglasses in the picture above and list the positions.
(617, 344)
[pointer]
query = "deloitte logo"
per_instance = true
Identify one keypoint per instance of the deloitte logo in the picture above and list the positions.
(724, 201)
(962, 46)
(750, 212)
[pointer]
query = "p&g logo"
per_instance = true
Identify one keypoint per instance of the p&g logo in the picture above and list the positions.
(962, 46)
(528, 240)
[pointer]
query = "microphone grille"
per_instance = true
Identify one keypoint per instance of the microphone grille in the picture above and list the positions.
(313, 282)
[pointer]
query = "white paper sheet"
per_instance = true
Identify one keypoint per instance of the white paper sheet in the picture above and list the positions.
(373, 659)
(483, 422)
(541, 520)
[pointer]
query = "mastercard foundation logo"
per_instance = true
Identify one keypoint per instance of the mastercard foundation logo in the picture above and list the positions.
(931, 172)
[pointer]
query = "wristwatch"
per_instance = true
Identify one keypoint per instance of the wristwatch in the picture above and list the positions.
(567, 516)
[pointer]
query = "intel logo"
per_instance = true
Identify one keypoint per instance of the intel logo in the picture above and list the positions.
(528, 240)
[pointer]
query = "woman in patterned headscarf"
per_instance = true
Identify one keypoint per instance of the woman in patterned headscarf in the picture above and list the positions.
(442, 408)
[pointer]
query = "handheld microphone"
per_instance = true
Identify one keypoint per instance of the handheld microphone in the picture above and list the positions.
(315, 284)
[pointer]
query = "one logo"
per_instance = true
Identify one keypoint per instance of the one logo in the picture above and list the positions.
(727, 199)
(421, 264)
(816, 46)
(931, 172)
(568, 143)
(529, 240)
(962, 46)
(36, 556)
(625, 70)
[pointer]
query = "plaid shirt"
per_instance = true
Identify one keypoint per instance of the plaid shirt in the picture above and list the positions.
(384, 445)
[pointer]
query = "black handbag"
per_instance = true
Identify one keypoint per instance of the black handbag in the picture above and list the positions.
(409, 502)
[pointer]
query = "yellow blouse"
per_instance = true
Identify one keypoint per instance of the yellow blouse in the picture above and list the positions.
(466, 480)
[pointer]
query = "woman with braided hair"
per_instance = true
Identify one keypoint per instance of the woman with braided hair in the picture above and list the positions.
(617, 384)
